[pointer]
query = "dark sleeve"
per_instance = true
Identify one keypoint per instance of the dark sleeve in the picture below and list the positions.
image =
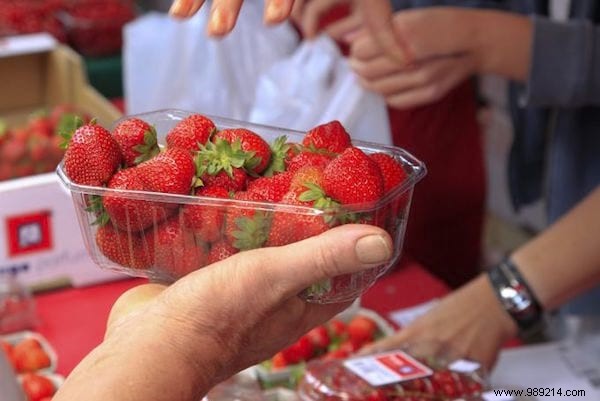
(563, 69)
(404, 4)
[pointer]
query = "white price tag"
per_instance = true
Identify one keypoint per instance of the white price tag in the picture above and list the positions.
(387, 368)
(464, 366)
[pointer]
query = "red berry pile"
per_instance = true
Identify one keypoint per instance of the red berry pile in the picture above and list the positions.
(31, 16)
(331, 381)
(234, 182)
(34, 147)
(335, 339)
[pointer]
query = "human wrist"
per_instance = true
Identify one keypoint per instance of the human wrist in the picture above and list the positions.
(484, 293)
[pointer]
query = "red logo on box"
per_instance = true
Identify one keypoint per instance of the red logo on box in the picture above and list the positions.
(29, 233)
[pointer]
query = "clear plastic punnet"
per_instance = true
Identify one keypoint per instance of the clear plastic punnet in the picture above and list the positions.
(420, 372)
(142, 247)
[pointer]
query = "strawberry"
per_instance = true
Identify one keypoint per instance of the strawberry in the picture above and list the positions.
(319, 337)
(330, 136)
(171, 171)
(307, 158)
(337, 329)
(191, 131)
(221, 250)
(37, 387)
(137, 141)
(361, 329)
(278, 361)
(336, 354)
(206, 220)
(124, 248)
(271, 188)
(28, 356)
(353, 178)
(391, 170)
(92, 155)
(221, 163)
(132, 214)
(252, 144)
(288, 227)
(301, 350)
(247, 227)
(176, 250)
(233, 183)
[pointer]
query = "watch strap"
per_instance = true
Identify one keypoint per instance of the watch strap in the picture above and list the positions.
(516, 296)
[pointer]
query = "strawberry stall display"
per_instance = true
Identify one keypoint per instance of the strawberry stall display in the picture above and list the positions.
(399, 375)
(177, 190)
(35, 146)
(338, 338)
(94, 27)
(31, 16)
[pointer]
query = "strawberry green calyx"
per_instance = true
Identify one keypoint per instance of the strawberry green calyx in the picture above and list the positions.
(252, 232)
(149, 148)
(318, 289)
(218, 156)
(96, 207)
(279, 150)
(67, 123)
(69, 128)
(315, 195)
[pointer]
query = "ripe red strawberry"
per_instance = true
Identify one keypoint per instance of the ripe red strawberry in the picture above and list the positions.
(319, 337)
(31, 360)
(127, 249)
(306, 158)
(292, 227)
(191, 131)
(92, 155)
(278, 361)
(137, 141)
(304, 178)
(176, 250)
(361, 329)
(330, 136)
(271, 188)
(221, 250)
(301, 350)
(233, 183)
(132, 214)
(251, 143)
(391, 170)
(337, 329)
(206, 221)
(171, 171)
(246, 227)
(353, 178)
(37, 387)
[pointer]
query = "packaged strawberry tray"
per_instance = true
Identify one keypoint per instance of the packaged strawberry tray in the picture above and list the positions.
(165, 193)
(408, 374)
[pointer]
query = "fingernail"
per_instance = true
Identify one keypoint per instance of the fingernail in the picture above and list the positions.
(274, 11)
(175, 8)
(218, 22)
(372, 249)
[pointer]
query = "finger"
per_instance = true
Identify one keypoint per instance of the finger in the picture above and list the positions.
(364, 46)
(297, 9)
(342, 250)
(375, 68)
(223, 15)
(196, 6)
(377, 16)
(132, 300)
(343, 28)
(182, 8)
(311, 16)
(277, 10)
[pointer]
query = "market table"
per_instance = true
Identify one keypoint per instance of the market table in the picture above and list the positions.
(73, 319)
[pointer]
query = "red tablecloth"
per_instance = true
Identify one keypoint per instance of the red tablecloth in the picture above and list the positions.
(73, 320)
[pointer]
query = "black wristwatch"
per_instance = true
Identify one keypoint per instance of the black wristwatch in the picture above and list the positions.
(516, 297)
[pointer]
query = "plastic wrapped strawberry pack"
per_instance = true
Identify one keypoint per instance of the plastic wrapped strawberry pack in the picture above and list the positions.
(166, 193)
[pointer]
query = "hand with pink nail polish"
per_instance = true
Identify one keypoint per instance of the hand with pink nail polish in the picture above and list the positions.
(224, 13)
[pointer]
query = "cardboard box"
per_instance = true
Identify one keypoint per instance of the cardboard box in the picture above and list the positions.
(39, 232)
(36, 72)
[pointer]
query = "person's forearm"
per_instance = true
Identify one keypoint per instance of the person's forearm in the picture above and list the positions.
(503, 44)
(564, 260)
